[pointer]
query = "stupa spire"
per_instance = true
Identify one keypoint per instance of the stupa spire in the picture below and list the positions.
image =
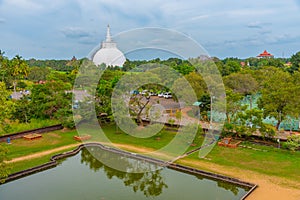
(109, 54)
(108, 36)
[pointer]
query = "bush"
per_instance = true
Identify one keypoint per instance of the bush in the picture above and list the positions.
(16, 126)
(68, 122)
(293, 142)
(21, 85)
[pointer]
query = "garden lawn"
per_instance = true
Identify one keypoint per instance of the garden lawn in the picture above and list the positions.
(26, 164)
(261, 159)
(21, 147)
(265, 160)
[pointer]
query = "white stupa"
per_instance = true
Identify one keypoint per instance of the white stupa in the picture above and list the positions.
(109, 54)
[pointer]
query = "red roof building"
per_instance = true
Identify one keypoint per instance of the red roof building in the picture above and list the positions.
(265, 54)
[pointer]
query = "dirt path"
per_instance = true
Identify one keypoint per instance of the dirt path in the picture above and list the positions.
(43, 153)
(269, 187)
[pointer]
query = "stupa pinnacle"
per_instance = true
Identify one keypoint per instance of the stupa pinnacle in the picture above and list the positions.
(109, 54)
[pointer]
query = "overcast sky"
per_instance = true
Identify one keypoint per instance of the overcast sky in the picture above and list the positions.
(60, 29)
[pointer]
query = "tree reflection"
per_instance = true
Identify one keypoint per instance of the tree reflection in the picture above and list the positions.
(227, 186)
(231, 187)
(151, 183)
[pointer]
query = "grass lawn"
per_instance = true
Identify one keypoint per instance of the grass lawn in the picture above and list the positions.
(262, 159)
(265, 160)
(155, 142)
(21, 147)
(52, 140)
(26, 164)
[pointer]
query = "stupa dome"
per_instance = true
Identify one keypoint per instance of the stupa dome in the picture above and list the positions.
(109, 54)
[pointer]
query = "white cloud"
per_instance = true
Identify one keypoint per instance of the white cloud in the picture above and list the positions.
(23, 4)
(75, 32)
(258, 25)
(232, 23)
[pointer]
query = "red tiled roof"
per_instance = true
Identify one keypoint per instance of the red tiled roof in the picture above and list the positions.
(265, 54)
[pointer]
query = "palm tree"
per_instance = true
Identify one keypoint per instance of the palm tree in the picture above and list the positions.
(18, 69)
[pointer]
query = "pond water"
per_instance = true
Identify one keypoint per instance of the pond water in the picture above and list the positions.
(83, 177)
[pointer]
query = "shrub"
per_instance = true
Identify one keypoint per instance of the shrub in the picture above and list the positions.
(293, 142)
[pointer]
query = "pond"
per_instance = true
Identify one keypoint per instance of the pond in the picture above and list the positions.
(84, 177)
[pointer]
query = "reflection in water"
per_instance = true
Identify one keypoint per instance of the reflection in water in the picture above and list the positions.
(230, 187)
(84, 177)
(151, 183)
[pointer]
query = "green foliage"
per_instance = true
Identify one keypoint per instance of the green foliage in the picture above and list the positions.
(263, 74)
(280, 96)
(293, 142)
(228, 129)
(38, 73)
(50, 100)
(244, 84)
(21, 84)
(17, 126)
(205, 106)
(4, 66)
(108, 81)
(267, 130)
(258, 63)
(233, 104)
(197, 82)
(58, 76)
(230, 66)
(4, 167)
(184, 67)
(13, 70)
(295, 60)
(23, 110)
(59, 65)
(249, 121)
(6, 107)
(68, 122)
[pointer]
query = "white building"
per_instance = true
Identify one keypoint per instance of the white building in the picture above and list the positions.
(109, 54)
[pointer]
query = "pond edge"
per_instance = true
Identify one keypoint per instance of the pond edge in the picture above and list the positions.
(54, 162)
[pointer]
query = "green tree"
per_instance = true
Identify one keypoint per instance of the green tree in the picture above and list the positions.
(4, 67)
(197, 83)
(233, 104)
(249, 121)
(50, 100)
(182, 66)
(18, 69)
(278, 96)
(231, 66)
(263, 74)
(137, 105)
(23, 110)
(295, 106)
(38, 73)
(6, 107)
(293, 142)
(108, 81)
(244, 84)
(57, 76)
(295, 60)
